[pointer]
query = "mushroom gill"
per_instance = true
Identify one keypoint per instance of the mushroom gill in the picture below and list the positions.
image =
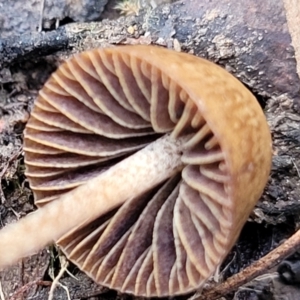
(158, 158)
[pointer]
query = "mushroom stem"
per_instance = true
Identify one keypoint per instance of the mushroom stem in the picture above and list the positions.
(127, 179)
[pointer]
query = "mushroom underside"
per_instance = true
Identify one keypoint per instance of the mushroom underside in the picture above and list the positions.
(99, 108)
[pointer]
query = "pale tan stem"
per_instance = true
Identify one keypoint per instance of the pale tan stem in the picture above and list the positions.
(129, 178)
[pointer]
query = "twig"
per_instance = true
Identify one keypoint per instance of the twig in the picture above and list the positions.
(256, 269)
(41, 15)
(16, 295)
(55, 283)
(293, 161)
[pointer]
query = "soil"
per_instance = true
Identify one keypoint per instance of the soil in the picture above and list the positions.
(275, 218)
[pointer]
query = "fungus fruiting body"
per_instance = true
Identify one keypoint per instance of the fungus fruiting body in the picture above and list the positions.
(145, 163)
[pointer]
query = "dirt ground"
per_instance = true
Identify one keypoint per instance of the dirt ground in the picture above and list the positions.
(275, 218)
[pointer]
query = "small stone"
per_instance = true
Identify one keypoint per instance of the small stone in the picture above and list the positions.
(22, 98)
(176, 45)
(130, 30)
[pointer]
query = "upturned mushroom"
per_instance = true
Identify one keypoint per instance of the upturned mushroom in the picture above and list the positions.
(145, 163)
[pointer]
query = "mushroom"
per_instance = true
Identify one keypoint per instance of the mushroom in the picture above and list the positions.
(145, 163)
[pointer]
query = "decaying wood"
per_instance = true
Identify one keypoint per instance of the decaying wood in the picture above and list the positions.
(292, 8)
(251, 39)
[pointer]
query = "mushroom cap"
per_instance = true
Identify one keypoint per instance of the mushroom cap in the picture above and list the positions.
(103, 105)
